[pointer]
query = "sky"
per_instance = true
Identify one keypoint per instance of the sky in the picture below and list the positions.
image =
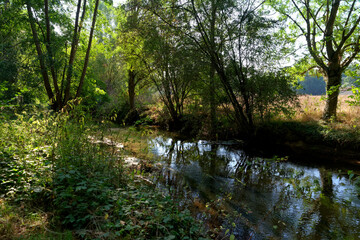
(118, 2)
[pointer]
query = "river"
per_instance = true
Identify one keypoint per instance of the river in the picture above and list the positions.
(252, 197)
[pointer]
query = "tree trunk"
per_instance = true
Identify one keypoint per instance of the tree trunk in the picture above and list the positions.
(244, 125)
(48, 44)
(131, 89)
(212, 103)
(83, 73)
(74, 44)
(43, 68)
(333, 83)
(212, 73)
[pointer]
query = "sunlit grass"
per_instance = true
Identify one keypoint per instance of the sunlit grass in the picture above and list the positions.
(135, 141)
(311, 109)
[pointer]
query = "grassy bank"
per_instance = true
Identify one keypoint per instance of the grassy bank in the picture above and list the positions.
(305, 135)
(311, 109)
(302, 132)
(56, 183)
(306, 123)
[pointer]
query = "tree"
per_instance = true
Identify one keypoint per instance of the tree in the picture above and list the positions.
(221, 53)
(154, 51)
(237, 40)
(332, 33)
(131, 47)
(18, 75)
(58, 92)
(8, 52)
(173, 71)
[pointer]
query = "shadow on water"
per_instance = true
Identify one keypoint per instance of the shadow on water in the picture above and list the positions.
(257, 198)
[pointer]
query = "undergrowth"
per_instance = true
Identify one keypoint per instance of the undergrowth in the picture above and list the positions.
(57, 184)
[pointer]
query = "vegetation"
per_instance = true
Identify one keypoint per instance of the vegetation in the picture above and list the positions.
(331, 32)
(210, 69)
(67, 188)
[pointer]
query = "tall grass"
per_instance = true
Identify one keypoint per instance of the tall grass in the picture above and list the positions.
(311, 109)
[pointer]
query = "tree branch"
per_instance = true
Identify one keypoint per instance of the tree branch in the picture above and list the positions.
(329, 29)
(348, 17)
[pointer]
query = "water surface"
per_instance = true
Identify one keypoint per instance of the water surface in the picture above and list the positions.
(257, 198)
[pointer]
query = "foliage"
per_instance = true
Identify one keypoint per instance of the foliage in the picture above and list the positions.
(16, 66)
(356, 96)
(144, 214)
(331, 33)
(84, 174)
(58, 84)
(272, 95)
(311, 133)
(81, 200)
(25, 155)
(185, 45)
(49, 162)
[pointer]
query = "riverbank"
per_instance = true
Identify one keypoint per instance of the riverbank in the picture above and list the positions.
(325, 143)
(301, 134)
(309, 140)
(247, 195)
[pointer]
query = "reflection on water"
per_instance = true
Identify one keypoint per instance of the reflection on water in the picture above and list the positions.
(260, 198)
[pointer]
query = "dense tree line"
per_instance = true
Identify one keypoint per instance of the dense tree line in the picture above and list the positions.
(210, 56)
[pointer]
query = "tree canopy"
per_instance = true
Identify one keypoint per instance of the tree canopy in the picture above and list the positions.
(202, 56)
(332, 33)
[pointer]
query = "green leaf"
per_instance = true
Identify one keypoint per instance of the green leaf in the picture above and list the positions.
(171, 237)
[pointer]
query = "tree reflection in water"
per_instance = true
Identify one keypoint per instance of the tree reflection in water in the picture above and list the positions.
(258, 198)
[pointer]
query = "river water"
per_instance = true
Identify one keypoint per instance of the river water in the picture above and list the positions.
(257, 198)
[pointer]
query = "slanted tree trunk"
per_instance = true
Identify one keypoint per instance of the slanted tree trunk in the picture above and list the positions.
(245, 125)
(61, 94)
(57, 100)
(86, 61)
(74, 45)
(41, 57)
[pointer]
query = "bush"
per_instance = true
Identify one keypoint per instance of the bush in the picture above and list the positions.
(80, 199)
(142, 213)
(25, 155)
